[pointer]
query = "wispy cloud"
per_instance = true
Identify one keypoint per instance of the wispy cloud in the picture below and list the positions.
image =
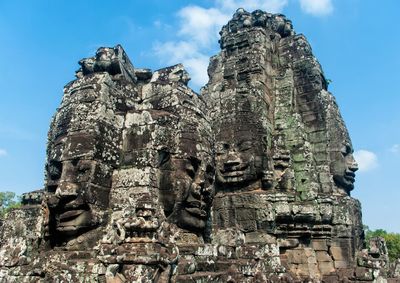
(198, 34)
(316, 7)
(201, 25)
(3, 152)
(186, 53)
(367, 160)
(395, 149)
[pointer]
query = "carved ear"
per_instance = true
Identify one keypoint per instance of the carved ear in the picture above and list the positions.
(265, 141)
(163, 157)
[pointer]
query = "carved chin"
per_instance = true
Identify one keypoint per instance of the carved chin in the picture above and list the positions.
(192, 219)
(71, 222)
(346, 182)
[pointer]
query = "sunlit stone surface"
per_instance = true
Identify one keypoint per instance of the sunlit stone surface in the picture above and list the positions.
(148, 181)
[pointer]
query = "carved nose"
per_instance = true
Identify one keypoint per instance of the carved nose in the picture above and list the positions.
(67, 189)
(353, 166)
(197, 187)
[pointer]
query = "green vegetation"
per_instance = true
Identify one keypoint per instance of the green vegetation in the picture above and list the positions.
(392, 241)
(8, 200)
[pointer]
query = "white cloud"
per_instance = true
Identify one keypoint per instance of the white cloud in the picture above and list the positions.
(3, 152)
(186, 53)
(395, 148)
(366, 160)
(201, 25)
(316, 7)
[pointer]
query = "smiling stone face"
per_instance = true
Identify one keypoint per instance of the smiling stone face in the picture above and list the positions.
(344, 166)
(239, 159)
(83, 150)
(186, 190)
(342, 163)
(78, 186)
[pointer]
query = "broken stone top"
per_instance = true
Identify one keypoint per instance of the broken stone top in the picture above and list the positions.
(242, 20)
(176, 73)
(112, 60)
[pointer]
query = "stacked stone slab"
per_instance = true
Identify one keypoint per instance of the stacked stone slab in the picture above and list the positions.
(148, 181)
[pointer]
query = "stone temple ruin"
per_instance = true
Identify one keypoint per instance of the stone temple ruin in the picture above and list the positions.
(148, 181)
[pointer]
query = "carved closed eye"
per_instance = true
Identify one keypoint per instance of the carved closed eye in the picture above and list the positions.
(222, 148)
(244, 146)
(346, 149)
(54, 169)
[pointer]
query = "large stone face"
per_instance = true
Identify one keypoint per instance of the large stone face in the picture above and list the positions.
(148, 181)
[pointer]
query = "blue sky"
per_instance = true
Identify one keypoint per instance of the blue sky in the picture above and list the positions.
(356, 41)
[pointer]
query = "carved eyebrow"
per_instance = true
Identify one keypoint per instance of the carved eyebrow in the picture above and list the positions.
(346, 149)
(245, 142)
(222, 145)
(349, 148)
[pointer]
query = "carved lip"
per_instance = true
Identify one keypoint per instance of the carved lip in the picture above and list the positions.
(195, 207)
(73, 223)
(196, 203)
(350, 176)
(233, 173)
(73, 220)
(69, 215)
(200, 213)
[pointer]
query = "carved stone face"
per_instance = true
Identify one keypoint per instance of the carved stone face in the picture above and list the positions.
(238, 161)
(186, 190)
(259, 18)
(343, 167)
(78, 187)
(106, 61)
(283, 26)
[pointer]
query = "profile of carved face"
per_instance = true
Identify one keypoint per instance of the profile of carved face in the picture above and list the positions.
(259, 18)
(239, 160)
(186, 190)
(283, 26)
(344, 166)
(106, 61)
(78, 187)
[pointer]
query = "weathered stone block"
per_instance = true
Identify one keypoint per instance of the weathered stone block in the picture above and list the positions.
(288, 243)
(363, 273)
(259, 237)
(319, 244)
(323, 256)
(341, 264)
(326, 267)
